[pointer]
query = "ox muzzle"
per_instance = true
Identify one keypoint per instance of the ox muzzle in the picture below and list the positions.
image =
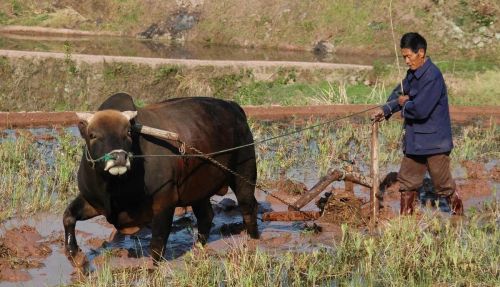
(117, 162)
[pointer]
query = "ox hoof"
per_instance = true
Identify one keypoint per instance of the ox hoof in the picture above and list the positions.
(253, 233)
(76, 257)
(72, 251)
(202, 238)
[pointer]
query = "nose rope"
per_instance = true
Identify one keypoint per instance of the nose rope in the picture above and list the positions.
(107, 156)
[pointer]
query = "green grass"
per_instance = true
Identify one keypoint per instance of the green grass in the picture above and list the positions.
(477, 143)
(3, 18)
(319, 149)
(474, 89)
(55, 81)
(300, 93)
(466, 65)
(362, 26)
(39, 175)
(35, 20)
(404, 252)
(36, 179)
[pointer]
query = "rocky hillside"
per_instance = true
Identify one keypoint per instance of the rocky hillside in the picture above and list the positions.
(361, 26)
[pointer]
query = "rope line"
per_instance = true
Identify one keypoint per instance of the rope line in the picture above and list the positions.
(264, 140)
(399, 67)
(246, 180)
(395, 47)
(208, 156)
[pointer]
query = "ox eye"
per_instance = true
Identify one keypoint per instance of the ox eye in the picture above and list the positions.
(129, 132)
(92, 136)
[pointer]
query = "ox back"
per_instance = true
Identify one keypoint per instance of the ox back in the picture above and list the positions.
(156, 181)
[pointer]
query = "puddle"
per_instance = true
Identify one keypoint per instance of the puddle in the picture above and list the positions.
(96, 237)
(132, 47)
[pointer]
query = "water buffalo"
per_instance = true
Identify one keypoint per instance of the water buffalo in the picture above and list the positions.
(133, 191)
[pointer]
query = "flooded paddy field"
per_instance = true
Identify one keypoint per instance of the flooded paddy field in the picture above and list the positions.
(337, 60)
(133, 47)
(38, 169)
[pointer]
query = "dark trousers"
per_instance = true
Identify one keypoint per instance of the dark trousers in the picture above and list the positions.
(413, 168)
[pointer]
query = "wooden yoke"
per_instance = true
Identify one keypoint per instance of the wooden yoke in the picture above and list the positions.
(162, 134)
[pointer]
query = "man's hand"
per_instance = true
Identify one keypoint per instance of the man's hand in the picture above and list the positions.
(403, 99)
(378, 116)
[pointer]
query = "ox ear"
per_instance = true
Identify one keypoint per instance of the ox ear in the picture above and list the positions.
(129, 114)
(84, 120)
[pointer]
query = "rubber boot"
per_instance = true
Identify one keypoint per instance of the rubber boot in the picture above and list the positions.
(408, 202)
(455, 204)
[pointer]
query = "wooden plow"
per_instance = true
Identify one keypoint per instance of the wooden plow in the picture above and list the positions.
(294, 212)
(350, 178)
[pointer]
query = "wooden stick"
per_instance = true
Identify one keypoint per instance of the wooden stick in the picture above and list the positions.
(358, 178)
(317, 189)
(333, 175)
(374, 171)
(290, 215)
(348, 184)
(166, 135)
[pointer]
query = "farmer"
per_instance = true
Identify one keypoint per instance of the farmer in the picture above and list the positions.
(427, 141)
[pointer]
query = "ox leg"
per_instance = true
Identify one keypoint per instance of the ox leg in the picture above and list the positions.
(204, 216)
(248, 204)
(160, 230)
(78, 209)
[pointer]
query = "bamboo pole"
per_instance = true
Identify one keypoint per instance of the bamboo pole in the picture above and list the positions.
(374, 172)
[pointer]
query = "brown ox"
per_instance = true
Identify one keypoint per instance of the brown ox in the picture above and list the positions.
(132, 191)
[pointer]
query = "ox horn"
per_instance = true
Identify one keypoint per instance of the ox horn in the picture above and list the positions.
(129, 114)
(86, 117)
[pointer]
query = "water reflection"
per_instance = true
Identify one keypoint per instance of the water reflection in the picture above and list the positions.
(132, 47)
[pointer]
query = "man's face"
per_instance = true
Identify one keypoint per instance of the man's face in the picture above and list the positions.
(413, 60)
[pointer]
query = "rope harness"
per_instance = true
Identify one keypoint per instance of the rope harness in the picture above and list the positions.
(107, 156)
(209, 156)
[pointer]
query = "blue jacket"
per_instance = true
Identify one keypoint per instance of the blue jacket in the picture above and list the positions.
(426, 113)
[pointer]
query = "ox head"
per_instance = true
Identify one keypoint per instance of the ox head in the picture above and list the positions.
(108, 137)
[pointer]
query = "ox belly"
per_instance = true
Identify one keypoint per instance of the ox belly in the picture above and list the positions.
(127, 224)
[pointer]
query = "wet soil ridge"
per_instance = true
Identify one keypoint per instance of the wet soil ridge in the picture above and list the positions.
(46, 31)
(20, 249)
(42, 119)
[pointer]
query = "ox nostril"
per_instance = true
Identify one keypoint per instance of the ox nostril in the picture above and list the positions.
(121, 159)
(118, 163)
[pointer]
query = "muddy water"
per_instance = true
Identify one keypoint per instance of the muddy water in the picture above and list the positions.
(97, 238)
(119, 46)
(56, 269)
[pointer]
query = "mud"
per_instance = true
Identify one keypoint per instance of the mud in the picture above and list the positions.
(20, 249)
(32, 251)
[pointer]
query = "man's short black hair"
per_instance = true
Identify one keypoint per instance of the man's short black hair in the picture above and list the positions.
(413, 41)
